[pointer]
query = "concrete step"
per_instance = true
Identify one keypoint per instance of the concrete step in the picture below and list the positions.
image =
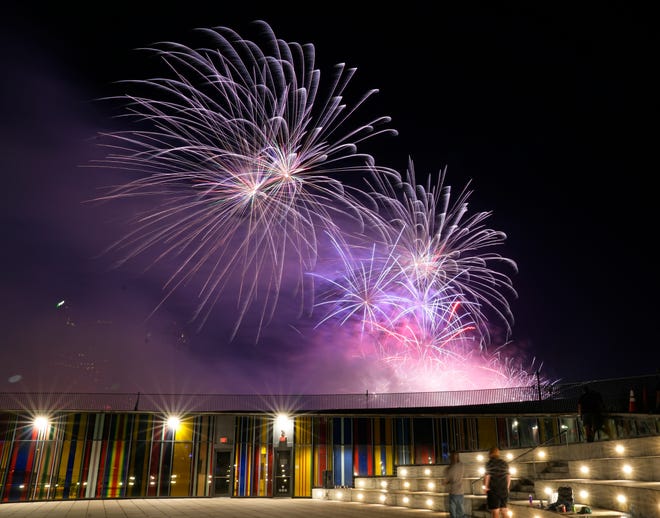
(522, 509)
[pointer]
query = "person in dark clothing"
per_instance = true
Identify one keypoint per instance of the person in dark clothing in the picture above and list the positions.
(496, 483)
(590, 410)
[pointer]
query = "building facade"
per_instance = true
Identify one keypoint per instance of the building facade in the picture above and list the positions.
(118, 453)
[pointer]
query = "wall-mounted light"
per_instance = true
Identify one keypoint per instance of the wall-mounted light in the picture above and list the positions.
(41, 423)
(283, 422)
(173, 423)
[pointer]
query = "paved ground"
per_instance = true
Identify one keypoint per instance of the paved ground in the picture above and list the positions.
(207, 508)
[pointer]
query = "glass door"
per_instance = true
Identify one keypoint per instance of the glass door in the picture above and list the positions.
(222, 474)
(283, 483)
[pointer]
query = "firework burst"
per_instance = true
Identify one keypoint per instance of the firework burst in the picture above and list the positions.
(242, 153)
(240, 158)
(362, 288)
(446, 254)
(427, 296)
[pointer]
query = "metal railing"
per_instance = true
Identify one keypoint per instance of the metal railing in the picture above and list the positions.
(549, 398)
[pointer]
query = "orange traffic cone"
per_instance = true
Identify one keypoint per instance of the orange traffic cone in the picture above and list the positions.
(632, 404)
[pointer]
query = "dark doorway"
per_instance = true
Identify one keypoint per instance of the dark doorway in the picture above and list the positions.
(283, 483)
(222, 474)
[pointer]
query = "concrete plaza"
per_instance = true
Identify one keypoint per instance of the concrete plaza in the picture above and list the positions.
(206, 508)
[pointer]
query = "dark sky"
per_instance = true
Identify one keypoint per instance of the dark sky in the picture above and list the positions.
(547, 110)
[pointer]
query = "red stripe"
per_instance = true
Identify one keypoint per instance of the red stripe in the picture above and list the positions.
(100, 471)
(85, 470)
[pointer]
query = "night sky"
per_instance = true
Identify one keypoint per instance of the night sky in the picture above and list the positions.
(547, 111)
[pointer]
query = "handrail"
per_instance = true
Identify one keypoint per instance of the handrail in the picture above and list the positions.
(544, 443)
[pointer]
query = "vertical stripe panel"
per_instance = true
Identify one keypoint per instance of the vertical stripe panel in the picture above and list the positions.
(95, 455)
(322, 450)
(402, 440)
(303, 472)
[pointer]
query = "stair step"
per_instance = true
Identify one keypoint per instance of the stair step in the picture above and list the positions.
(420, 487)
(522, 509)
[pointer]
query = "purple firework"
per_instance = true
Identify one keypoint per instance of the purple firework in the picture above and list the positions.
(239, 158)
(426, 295)
(239, 153)
(448, 255)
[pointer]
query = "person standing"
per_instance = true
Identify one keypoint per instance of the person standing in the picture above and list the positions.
(590, 410)
(496, 483)
(454, 481)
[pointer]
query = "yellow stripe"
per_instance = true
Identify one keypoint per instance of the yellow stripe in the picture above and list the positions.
(76, 477)
(303, 456)
(66, 450)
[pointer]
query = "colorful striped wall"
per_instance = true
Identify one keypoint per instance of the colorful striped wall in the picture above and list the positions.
(86, 455)
(135, 455)
(253, 456)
